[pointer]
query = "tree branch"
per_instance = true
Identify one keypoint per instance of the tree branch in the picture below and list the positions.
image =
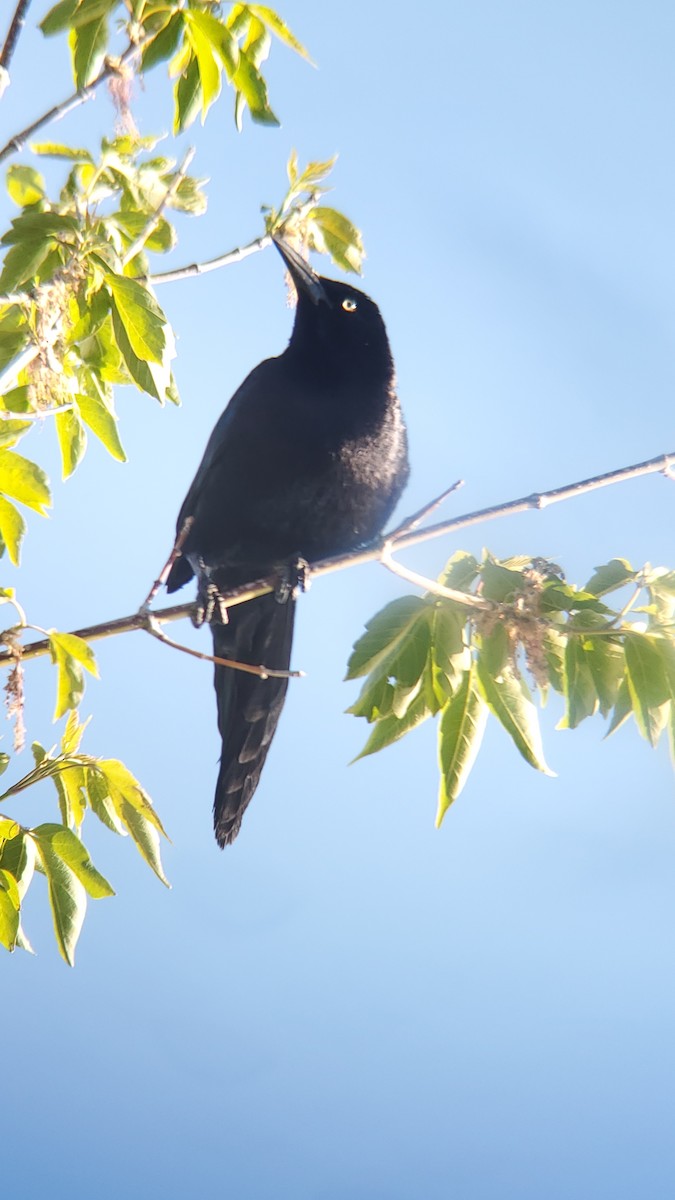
(213, 264)
(16, 25)
(376, 552)
(153, 221)
(111, 67)
(152, 627)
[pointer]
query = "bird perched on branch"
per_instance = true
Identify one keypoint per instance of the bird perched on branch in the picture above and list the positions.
(308, 460)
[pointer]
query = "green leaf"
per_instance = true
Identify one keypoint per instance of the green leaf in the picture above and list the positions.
(72, 440)
(189, 197)
(12, 529)
(11, 432)
(23, 481)
(610, 576)
(67, 846)
(11, 342)
(448, 651)
(25, 185)
(9, 910)
(58, 150)
(510, 701)
(100, 802)
(331, 232)
(17, 400)
(208, 61)
(88, 44)
(150, 377)
(562, 597)
(77, 648)
(59, 17)
(9, 829)
(661, 580)
(252, 87)
(496, 649)
(103, 423)
(187, 95)
(580, 693)
(4, 762)
(164, 43)
(500, 583)
(622, 709)
(647, 683)
(120, 780)
(460, 734)
(159, 241)
(459, 571)
(390, 728)
(383, 633)
(144, 322)
(67, 895)
(40, 225)
(69, 782)
(607, 666)
(219, 37)
(18, 857)
(133, 808)
(144, 834)
(22, 263)
(72, 734)
(274, 22)
(90, 10)
(70, 654)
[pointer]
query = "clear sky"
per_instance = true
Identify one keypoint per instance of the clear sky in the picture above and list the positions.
(349, 1003)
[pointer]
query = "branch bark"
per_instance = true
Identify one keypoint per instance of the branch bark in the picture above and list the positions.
(16, 25)
(377, 552)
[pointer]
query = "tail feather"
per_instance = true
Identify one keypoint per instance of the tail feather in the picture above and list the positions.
(259, 632)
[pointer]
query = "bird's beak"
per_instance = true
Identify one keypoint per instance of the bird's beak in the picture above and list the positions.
(306, 280)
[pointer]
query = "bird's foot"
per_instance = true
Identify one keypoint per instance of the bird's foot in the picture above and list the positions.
(294, 578)
(209, 606)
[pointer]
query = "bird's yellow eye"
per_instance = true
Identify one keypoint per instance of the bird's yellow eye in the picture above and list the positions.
(349, 305)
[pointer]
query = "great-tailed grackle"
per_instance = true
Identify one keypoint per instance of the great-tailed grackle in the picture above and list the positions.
(308, 459)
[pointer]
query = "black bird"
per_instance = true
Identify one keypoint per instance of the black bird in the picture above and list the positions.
(307, 460)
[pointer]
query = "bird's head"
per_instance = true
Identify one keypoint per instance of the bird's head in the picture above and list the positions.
(335, 323)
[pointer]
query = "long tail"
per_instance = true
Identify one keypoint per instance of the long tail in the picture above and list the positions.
(259, 632)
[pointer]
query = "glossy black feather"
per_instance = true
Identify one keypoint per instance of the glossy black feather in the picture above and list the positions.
(308, 459)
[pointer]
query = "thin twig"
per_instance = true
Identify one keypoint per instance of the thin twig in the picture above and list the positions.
(11, 373)
(431, 585)
(15, 27)
(662, 464)
(6, 415)
(372, 553)
(15, 298)
(164, 573)
(152, 627)
(416, 519)
(155, 218)
(111, 67)
(234, 256)
(213, 264)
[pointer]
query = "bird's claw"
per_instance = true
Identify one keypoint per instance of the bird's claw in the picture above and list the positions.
(209, 606)
(294, 579)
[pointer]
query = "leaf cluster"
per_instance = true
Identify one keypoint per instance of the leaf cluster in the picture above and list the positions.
(202, 44)
(105, 787)
(432, 656)
(79, 317)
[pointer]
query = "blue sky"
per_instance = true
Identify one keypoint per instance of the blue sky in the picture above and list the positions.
(349, 1003)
